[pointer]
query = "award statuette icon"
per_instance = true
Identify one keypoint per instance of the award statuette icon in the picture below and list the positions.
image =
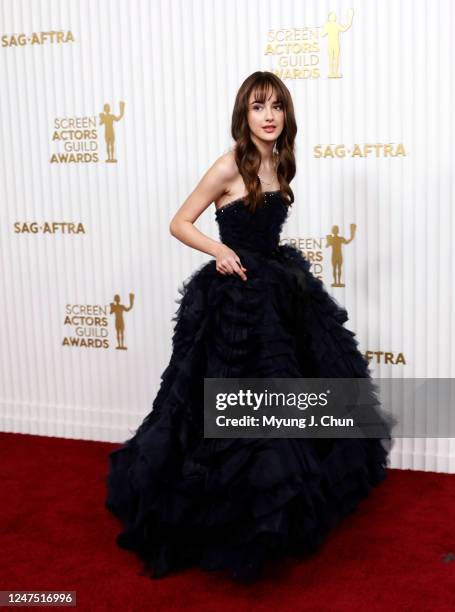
(107, 119)
(118, 309)
(335, 242)
(332, 30)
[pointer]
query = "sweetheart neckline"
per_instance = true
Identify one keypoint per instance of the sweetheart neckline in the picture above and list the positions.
(217, 210)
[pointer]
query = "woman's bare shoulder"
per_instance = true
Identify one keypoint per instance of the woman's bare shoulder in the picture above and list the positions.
(226, 164)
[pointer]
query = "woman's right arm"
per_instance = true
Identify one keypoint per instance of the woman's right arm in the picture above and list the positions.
(212, 185)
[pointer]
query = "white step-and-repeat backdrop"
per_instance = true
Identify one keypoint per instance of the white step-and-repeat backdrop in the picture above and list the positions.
(110, 113)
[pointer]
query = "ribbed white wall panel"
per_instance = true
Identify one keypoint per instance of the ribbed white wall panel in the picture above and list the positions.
(177, 65)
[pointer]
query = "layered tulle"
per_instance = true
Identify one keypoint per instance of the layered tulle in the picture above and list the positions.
(236, 503)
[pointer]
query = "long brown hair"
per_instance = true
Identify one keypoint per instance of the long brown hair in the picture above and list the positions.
(247, 156)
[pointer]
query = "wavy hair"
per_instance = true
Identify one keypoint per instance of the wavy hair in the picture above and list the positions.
(247, 155)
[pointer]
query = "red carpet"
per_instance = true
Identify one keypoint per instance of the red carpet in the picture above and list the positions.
(392, 554)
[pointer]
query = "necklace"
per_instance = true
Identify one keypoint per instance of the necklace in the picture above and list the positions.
(266, 184)
(273, 176)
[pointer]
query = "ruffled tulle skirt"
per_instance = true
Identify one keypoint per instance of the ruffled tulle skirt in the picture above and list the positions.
(235, 503)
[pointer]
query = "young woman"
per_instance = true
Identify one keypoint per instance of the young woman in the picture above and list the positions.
(255, 310)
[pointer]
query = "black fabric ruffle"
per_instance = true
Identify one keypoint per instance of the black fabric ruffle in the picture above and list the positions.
(235, 503)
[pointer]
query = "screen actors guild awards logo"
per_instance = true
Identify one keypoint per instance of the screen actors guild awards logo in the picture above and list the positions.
(297, 50)
(118, 309)
(79, 137)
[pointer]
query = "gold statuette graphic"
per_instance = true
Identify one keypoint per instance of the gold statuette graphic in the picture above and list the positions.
(335, 241)
(118, 309)
(332, 30)
(107, 118)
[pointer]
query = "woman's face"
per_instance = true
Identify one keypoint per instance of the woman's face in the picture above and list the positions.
(270, 113)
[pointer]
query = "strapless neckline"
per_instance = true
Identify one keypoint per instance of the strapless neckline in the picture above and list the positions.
(257, 230)
(241, 199)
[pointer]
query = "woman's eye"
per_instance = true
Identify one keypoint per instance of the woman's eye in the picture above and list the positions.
(278, 106)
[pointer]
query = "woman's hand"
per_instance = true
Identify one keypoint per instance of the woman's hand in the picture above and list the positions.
(228, 262)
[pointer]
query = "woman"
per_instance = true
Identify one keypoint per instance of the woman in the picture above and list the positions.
(255, 310)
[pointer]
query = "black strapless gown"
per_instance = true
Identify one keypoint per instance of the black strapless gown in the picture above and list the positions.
(235, 503)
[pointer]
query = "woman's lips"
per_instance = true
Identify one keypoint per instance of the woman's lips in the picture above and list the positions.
(269, 129)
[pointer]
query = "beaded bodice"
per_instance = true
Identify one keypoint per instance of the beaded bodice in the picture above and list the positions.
(257, 231)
